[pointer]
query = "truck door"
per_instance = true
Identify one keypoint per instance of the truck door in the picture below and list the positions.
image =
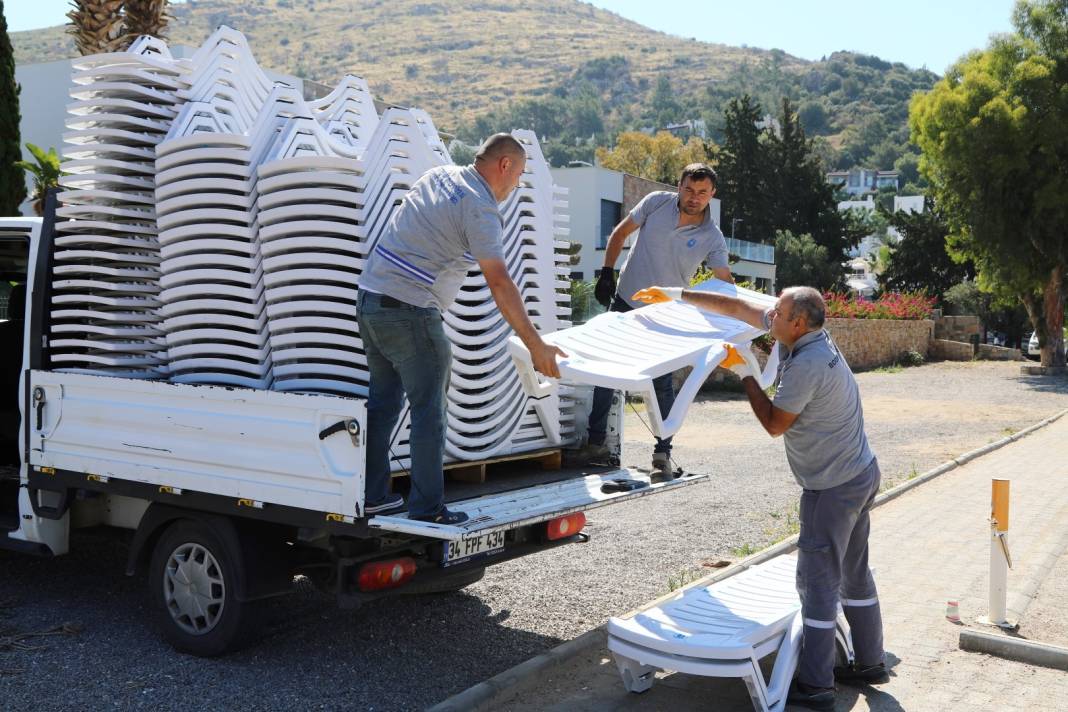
(14, 260)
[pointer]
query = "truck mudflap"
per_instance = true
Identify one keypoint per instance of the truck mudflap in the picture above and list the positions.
(531, 505)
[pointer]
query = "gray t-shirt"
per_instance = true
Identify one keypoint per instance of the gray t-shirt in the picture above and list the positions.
(826, 446)
(447, 221)
(664, 254)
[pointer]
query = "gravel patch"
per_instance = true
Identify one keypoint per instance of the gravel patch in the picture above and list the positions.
(410, 652)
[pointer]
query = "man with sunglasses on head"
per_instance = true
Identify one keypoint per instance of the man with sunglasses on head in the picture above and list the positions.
(676, 233)
(818, 412)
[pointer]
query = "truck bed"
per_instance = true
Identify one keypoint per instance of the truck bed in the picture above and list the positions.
(285, 457)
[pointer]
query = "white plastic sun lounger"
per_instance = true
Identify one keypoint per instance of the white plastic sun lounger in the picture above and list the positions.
(722, 630)
(626, 351)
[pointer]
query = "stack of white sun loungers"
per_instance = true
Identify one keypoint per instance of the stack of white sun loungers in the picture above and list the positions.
(107, 260)
(216, 226)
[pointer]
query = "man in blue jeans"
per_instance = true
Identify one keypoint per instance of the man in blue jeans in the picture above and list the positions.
(818, 412)
(676, 233)
(448, 221)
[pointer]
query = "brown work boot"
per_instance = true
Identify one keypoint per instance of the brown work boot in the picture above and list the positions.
(661, 471)
(588, 454)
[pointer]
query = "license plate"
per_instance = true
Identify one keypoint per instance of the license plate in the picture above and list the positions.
(468, 548)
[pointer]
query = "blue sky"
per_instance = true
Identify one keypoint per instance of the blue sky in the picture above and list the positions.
(931, 33)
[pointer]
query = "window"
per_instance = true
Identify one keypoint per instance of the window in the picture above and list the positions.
(577, 276)
(611, 213)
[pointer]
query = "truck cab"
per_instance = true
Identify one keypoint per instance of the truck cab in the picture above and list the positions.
(230, 493)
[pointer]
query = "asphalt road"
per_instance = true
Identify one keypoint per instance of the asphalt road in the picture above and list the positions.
(410, 652)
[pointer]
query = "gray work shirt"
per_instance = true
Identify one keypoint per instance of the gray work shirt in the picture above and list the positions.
(826, 446)
(664, 254)
(447, 221)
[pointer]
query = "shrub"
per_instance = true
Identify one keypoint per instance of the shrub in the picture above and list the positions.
(891, 305)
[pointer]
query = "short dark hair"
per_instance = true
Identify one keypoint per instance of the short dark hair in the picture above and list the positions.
(500, 144)
(698, 171)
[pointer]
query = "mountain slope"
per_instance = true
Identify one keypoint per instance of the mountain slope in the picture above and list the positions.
(454, 59)
(464, 60)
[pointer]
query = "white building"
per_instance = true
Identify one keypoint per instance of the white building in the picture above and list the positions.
(598, 198)
(864, 180)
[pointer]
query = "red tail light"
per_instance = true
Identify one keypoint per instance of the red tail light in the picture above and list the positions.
(565, 526)
(379, 575)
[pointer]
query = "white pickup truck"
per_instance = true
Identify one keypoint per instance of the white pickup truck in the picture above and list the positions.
(233, 492)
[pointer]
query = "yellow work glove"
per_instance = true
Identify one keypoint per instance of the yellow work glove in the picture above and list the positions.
(657, 295)
(734, 363)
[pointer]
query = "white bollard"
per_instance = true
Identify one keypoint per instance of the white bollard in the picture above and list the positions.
(1000, 561)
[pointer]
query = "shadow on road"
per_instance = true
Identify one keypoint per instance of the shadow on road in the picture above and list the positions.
(406, 652)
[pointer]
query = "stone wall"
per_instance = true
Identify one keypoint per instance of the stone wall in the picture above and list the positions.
(956, 328)
(946, 350)
(989, 352)
(635, 188)
(871, 343)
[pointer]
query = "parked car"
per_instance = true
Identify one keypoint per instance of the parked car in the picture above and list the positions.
(1034, 353)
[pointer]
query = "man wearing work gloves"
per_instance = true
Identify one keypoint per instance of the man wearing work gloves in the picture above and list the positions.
(447, 222)
(676, 234)
(818, 412)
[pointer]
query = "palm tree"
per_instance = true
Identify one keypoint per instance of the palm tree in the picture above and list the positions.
(146, 17)
(97, 26)
(46, 172)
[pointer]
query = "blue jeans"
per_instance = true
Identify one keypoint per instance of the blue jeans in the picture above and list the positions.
(409, 355)
(602, 399)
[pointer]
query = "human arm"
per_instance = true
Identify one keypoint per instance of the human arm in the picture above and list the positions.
(723, 273)
(509, 301)
(708, 301)
(619, 236)
(776, 421)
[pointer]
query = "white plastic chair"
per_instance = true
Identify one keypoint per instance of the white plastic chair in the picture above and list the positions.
(721, 630)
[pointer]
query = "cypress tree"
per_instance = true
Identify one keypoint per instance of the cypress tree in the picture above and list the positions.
(12, 181)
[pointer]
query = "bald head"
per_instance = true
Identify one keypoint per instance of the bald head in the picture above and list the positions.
(500, 161)
(499, 146)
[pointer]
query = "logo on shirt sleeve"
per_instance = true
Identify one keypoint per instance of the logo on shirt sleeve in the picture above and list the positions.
(691, 242)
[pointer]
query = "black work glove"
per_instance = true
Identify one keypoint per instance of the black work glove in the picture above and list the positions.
(606, 287)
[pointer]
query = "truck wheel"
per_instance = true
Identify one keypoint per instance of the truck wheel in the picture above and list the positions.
(193, 581)
(445, 585)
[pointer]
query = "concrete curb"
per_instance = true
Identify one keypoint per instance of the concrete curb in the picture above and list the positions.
(483, 695)
(480, 696)
(1024, 651)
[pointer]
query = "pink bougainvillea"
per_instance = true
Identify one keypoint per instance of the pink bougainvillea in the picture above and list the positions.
(891, 305)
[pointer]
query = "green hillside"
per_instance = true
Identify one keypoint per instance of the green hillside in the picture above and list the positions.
(563, 67)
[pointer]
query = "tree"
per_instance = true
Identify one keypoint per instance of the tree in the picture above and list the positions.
(801, 199)
(919, 261)
(145, 17)
(660, 158)
(994, 136)
(743, 171)
(801, 262)
(12, 182)
(97, 26)
(45, 171)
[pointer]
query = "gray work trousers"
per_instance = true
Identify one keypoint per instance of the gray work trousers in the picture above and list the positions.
(832, 567)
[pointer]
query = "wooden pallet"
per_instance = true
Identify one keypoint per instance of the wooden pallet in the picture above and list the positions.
(551, 459)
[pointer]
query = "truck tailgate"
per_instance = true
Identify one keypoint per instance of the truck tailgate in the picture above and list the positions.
(530, 505)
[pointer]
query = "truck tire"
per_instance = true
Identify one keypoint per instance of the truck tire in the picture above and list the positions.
(193, 580)
(445, 585)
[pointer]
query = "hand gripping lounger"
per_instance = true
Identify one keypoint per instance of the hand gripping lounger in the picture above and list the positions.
(722, 630)
(626, 351)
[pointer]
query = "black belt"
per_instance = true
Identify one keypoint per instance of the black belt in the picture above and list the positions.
(390, 302)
